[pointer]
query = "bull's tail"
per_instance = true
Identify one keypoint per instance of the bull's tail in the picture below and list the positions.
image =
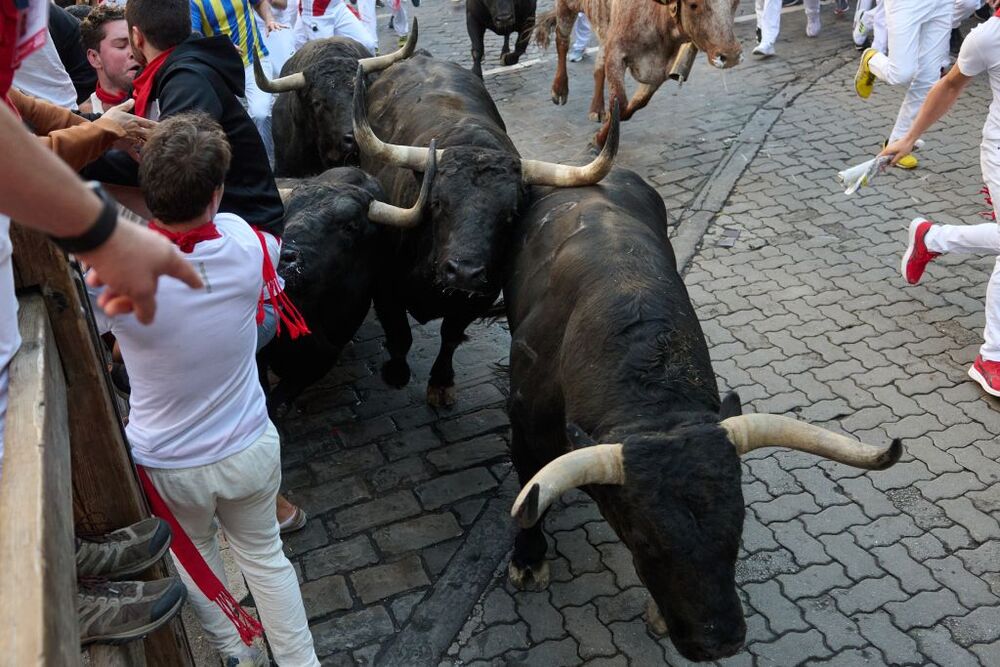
(544, 25)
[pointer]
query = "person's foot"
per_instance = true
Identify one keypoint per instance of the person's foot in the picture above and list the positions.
(415, 3)
(864, 80)
(125, 552)
(917, 256)
(987, 374)
(290, 517)
(813, 24)
(860, 33)
(254, 657)
(955, 43)
(764, 50)
(840, 7)
(116, 612)
(575, 56)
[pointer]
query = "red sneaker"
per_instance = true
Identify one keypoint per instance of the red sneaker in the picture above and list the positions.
(917, 256)
(987, 374)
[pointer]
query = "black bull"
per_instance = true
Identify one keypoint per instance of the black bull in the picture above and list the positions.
(606, 348)
(502, 17)
(450, 266)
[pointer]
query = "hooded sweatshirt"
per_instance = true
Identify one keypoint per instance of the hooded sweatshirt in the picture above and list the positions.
(206, 74)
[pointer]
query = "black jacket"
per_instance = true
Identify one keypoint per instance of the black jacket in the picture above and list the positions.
(206, 74)
(64, 29)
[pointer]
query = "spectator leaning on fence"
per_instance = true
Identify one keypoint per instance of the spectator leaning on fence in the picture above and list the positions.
(198, 423)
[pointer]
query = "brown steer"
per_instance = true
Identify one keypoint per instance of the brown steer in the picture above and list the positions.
(643, 36)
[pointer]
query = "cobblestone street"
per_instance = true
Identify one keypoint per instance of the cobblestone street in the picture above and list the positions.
(404, 559)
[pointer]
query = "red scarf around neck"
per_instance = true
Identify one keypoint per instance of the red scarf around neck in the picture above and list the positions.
(108, 99)
(142, 85)
(186, 241)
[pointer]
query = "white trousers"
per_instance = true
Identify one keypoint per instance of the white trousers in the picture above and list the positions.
(367, 10)
(981, 239)
(258, 105)
(337, 21)
(280, 46)
(963, 10)
(239, 493)
(400, 18)
(769, 17)
(581, 34)
(918, 32)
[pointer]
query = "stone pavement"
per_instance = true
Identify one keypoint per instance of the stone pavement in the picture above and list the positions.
(404, 559)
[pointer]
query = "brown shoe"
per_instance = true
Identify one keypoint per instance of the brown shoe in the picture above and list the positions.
(124, 552)
(116, 612)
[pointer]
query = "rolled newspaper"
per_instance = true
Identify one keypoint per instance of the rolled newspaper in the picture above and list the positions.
(862, 174)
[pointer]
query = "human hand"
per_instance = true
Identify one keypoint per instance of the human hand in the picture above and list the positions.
(898, 149)
(136, 128)
(129, 264)
(271, 26)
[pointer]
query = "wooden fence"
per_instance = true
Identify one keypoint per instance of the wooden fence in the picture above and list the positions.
(66, 470)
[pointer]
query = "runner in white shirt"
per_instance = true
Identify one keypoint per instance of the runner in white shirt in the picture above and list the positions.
(980, 53)
(198, 422)
(328, 18)
(769, 24)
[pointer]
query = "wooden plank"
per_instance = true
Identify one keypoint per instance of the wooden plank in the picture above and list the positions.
(37, 554)
(106, 493)
(129, 655)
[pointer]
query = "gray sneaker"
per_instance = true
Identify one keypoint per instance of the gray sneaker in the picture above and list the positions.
(254, 657)
(125, 552)
(116, 612)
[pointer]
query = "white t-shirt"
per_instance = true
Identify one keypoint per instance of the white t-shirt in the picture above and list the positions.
(43, 75)
(195, 394)
(981, 53)
(10, 338)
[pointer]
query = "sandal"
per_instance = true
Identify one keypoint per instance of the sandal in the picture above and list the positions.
(293, 523)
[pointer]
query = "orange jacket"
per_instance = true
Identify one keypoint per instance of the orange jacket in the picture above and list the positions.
(74, 139)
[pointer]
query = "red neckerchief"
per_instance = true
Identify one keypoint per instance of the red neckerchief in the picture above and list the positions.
(283, 306)
(319, 7)
(108, 99)
(142, 85)
(997, 14)
(186, 241)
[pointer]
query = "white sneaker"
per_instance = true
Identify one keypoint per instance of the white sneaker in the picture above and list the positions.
(860, 32)
(812, 24)
(254, 657)
(575, 56)
(764, 50)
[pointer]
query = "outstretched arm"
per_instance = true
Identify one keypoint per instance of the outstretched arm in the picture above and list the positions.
(938, 102)
(38, 190)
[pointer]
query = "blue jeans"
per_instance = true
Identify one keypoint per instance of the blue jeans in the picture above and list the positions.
(267, 328)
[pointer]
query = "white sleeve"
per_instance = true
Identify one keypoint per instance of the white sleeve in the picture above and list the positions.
(972, 56)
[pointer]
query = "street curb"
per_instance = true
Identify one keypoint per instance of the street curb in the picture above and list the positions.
(437, 620)
(711, 199)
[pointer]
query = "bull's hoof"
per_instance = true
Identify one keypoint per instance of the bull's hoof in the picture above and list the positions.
(396, 373)
(654, 619)
(529, 578)
(440, 397)
(507, 59)
(559, 98)
(596, 116)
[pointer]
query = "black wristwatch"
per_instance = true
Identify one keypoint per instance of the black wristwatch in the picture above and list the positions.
(99, 232)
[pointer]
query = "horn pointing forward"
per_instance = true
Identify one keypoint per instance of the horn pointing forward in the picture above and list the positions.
(597, 464)
(409, 157)
(749, 432)
(379, 63)
(535, 172)
(387, 214)
(282, 84)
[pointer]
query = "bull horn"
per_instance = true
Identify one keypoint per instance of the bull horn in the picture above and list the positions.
(749, 432)
(597, 464)
(408, 157)
(387, 214)
(535, 172)
(379, 63)
(285, 194)
(283, 84)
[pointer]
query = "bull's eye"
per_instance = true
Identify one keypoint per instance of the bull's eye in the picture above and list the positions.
(693, 6)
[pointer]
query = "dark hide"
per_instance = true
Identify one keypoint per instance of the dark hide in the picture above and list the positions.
(312, 126)
(603, 336)
(451, 265)
(330, 257)
(502, 17)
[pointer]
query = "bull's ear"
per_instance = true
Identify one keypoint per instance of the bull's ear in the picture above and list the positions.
(578, 437)
(731, 406)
